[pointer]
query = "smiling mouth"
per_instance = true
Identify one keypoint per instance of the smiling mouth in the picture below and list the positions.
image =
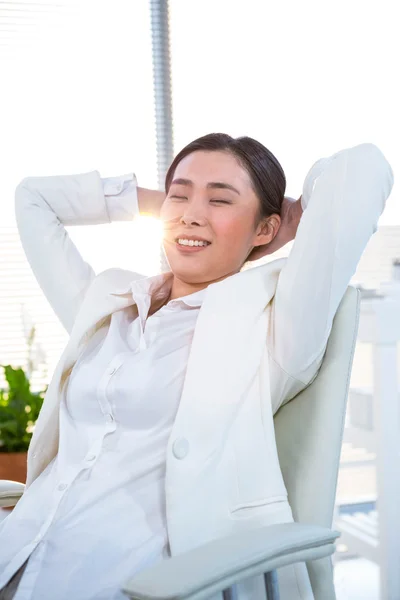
(190, 248)
(191, 243)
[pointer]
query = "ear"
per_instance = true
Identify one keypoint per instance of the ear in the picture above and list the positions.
(267, 230)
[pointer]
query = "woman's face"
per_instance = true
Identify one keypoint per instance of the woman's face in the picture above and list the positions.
(210, 198)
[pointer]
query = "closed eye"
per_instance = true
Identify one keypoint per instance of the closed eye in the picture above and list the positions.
(212, 200)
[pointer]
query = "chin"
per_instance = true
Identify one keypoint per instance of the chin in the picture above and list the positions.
(190, 274)
(194, 270)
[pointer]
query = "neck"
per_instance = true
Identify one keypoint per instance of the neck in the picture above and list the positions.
(181, 288)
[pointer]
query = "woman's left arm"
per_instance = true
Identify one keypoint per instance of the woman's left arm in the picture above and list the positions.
(346, 196)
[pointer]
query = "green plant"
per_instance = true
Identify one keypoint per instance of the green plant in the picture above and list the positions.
(19, 406)
(19, 410)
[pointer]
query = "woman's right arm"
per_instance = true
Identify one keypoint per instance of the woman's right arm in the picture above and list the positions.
(45, 205)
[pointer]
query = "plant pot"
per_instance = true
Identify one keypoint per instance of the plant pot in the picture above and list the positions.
(13, 466)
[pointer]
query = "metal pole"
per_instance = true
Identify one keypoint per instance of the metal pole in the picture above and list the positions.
(159, 13)
(159, 10)
(230, 593)
(271, 585)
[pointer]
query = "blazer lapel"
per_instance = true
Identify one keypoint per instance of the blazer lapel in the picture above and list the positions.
(105, 296)
(226, 351)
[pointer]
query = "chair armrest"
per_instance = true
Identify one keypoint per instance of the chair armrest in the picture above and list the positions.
(10, 492)
(216, 566)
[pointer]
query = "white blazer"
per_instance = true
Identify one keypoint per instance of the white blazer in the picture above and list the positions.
(229, 476)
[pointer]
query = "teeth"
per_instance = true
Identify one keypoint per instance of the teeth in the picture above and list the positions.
(184, 242)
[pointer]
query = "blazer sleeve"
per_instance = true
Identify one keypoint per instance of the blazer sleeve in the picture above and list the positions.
(345, 196)
(44, 206)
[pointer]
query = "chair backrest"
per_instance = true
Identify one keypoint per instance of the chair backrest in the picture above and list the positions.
(309, 432)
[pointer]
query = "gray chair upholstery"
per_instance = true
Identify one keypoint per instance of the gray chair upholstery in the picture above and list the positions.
(309, 432)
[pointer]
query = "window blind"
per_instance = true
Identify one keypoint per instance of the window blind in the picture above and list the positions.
(22, 306)
(76, 95)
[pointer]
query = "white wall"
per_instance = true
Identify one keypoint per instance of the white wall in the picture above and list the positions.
(305, 78)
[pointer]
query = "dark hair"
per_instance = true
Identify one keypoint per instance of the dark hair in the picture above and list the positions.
(266, 174)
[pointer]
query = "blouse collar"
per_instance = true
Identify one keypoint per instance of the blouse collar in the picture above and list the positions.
(158, 287)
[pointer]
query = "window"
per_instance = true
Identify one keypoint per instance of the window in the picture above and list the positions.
(76, 96)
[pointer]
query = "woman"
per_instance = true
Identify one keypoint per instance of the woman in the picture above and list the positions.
(156, 434)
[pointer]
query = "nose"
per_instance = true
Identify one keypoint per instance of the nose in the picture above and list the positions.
(191, 217)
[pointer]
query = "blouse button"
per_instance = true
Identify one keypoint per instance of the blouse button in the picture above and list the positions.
(109, 418)
(180, 448)
(91, 457)
(113, 371)
(62, 486)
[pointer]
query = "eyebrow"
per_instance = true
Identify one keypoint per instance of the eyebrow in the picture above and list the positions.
(220, 185)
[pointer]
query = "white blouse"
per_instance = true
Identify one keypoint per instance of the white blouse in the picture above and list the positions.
(96, 515)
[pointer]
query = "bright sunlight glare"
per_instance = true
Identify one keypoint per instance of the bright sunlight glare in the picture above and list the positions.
(147, 232)
(133, 245)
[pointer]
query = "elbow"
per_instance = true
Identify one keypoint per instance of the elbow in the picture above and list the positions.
(23, 194)
(20, 196)
(25, 198)
(371, 153)
(369, 170)
(373, 163)
(23, 185)
(21, 191)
